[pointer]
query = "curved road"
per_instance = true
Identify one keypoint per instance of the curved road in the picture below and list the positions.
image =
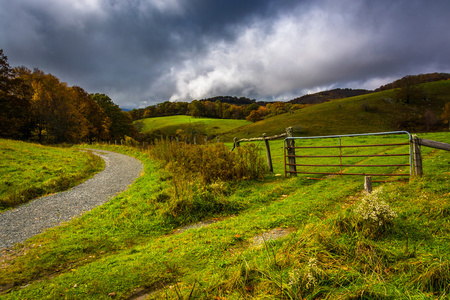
(32, 218)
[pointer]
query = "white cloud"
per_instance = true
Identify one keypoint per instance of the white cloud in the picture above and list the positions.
(299, 51)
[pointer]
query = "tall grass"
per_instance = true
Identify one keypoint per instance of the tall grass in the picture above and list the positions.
(200, 177)
(211, 162)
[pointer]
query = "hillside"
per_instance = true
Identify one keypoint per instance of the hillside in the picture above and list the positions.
(328, 95)
(365, 113)
(185, 126)
(372, 112)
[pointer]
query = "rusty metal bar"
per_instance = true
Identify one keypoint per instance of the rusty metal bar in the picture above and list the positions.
(363, 174)
(396, 165)
(361, 155)
(352, 146)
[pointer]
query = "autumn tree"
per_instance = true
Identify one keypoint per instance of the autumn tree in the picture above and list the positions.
(15, 107)
(408, 90)
(54, 114)
(254, 116)
(429, 119)
(95, 122)
(446, 114)
(218, 106)
(276, 108)
(250, 108)
(121, 122)
(196, 109)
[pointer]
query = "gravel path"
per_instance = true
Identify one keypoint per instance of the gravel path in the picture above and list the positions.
(32, 218)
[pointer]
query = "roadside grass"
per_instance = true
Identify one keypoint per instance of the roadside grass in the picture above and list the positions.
(127, 247)
(28, 171)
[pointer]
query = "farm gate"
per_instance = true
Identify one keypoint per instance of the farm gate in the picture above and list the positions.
(367, 154)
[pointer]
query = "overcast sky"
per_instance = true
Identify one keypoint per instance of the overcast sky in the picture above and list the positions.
(140, 52)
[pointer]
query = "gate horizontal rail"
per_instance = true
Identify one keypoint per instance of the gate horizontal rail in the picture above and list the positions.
(290, 148)
(359, 155)
(350, 146)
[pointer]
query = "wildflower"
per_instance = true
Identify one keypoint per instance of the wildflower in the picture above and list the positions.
(294, 277)
(311, 274)
(374, 210)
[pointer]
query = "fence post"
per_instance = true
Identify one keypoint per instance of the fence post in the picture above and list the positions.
(236, 143)
(368, 184)
(269, 156)
(291, 152)
(417, 156)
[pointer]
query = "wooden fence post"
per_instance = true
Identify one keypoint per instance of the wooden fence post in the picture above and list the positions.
(417, 156)
(269, 156)
(368, 184)
(291, 152)
(236, 143)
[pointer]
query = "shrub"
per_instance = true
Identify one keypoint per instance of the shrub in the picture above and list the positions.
(211, 162)
(199, 176)
(374, 213)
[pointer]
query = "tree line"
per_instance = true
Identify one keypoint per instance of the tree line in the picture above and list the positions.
(36, 106)
(217, 109)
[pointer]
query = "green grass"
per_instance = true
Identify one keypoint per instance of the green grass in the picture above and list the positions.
(128, 246)
(28, 170)
(203, 126)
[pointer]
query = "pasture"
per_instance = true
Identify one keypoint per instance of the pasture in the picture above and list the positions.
(329, 249)
(202, 126)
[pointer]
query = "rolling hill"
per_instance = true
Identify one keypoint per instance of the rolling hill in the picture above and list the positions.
(373, 112)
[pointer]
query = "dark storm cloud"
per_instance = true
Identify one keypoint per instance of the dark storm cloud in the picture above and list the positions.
(140, 51)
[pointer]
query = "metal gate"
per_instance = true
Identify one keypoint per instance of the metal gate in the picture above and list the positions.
(296, 155)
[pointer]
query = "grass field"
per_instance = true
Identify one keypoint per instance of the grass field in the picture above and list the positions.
(29, 170)
(202, 126)
(130, 248)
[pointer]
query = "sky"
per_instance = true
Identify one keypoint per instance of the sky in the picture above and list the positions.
(143, 52)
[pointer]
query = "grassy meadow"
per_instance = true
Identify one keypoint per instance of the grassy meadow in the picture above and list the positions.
(189, 125)
(335, 241)
(29, 170)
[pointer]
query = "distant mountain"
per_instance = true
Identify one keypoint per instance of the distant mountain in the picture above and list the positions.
(328, 95)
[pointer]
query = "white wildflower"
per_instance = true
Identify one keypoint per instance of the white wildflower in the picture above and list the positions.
(375, 210)
(294, 277)
(311, 274)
